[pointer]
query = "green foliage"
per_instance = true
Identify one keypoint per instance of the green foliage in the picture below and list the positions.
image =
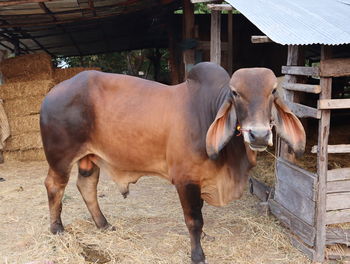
(111, 62)
(145, 63)
(201, 8)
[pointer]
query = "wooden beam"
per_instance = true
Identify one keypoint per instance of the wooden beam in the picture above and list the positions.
(333, 104)
(9, 39)
(92, 7)
(299, 87)
(300, 70)
(337, 217)
(338, 174)
(215, 37)
(48, 11)
(65, 12)
(58, 22)
(230, 42)
(220, 7)
(7, 47)
(21, 2)
(303, 111)
(205, 45)
(188, 33)
(29, 36)
(260, 39)
(322, 163)
(335, 67)
(341, 148)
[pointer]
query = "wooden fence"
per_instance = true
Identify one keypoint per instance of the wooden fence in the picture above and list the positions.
(307, 202)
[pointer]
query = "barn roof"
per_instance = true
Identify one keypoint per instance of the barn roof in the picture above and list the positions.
(299, 22)
(82, 27)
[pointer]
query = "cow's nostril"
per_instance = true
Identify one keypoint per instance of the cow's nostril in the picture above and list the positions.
(251, 134)
(259, 136)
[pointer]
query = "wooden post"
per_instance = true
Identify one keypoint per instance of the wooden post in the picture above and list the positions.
(230, 43)
(173, 58)
(188, 33)
(215, 38)
(295, 57)
(322, 163)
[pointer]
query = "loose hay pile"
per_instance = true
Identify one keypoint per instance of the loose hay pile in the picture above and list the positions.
(149, 226)
(28, 79)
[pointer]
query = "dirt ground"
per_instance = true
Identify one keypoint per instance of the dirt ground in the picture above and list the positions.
(149, 225)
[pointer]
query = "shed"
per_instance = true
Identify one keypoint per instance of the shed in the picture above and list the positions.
(306, 202)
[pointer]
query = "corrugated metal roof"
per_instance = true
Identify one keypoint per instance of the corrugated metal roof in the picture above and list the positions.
(299, 22)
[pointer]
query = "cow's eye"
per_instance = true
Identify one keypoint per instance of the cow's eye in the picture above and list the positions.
(274, 91)
(235, 94)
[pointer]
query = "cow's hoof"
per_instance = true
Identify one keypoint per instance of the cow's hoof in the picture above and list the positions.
(56, 228)
(108, 227)
(201, 262)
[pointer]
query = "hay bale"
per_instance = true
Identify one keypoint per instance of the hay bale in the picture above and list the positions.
(24, 141)
(25, 89)
(61, 75)
(24, 124)
(23, 106)
(25, 155)
(27, 67)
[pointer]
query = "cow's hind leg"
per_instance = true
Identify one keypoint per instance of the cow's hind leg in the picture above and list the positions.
(192, 203)
(55, 184)
(88, 178)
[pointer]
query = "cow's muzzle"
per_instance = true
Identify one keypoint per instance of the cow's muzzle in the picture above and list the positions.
(258, 138)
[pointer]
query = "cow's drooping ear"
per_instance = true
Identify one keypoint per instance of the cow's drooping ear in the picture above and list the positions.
(288, 127)
(222, 129)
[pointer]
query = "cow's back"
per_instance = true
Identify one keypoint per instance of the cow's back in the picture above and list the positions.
(123, 120)
(133, 119)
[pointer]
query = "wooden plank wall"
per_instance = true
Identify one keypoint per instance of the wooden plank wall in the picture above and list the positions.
(303, 201)
(295, 190)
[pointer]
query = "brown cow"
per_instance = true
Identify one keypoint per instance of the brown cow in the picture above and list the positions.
(132, 127)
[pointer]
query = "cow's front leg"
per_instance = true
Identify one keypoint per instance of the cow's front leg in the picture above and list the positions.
(192, 203)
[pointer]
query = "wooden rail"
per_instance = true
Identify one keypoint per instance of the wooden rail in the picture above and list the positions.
(335, 67)
(303, 111)
(342, 148)
(333, 104)
(301, 70)
(338, 174)
(337, 217)
(307, 88)
(220, 7)
(260, 39)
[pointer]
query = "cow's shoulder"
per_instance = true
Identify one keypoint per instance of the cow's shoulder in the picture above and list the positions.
(208, 73)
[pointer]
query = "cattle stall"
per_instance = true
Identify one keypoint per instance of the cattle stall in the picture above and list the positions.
(309, 195)
(309, 203)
